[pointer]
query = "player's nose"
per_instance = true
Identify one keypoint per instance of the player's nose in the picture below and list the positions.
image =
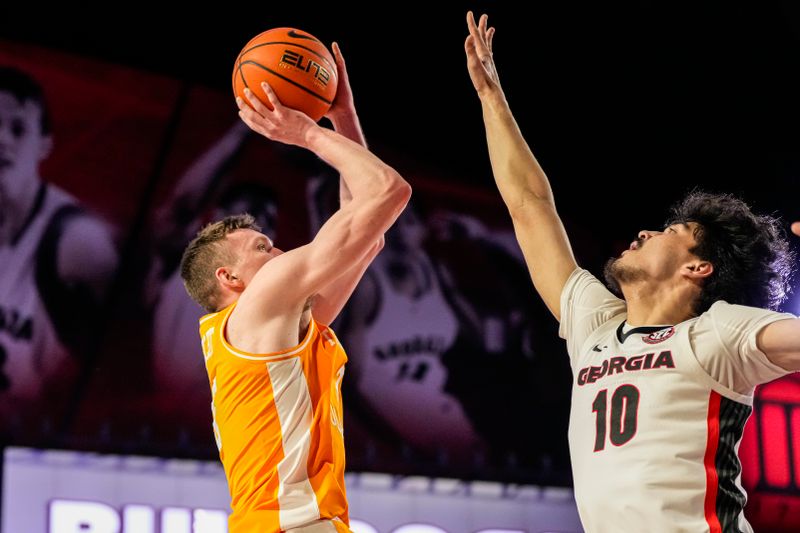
(646, 234)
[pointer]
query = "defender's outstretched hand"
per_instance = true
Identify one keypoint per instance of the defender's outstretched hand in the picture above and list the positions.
(280, 123)
(480, 62)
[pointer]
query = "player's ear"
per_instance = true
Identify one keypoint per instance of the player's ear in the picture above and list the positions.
(698, 269)
(46, 147)
(228, 279)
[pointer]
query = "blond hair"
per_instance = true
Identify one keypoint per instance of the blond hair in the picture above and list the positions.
(205, 254)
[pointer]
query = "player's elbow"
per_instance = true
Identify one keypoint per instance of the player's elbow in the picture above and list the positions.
(531, 210)
(396, 190)
(403, 193)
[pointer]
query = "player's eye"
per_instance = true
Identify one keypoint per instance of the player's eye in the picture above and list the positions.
(17, 129)
(262, 247)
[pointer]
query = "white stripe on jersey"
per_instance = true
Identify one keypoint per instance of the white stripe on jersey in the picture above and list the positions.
(296, 496)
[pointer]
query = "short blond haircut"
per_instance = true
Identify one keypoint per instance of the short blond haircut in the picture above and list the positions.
(205, 254)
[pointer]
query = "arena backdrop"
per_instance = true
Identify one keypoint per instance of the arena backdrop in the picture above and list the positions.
(462, 376)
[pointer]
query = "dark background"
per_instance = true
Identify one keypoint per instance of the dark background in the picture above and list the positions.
(627, 106)
(655, 93)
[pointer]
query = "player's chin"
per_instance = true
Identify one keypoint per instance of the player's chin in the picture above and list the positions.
(627, 256)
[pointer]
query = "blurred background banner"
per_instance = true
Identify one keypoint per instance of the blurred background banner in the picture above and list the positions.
(67, 492)
(440, 338)
(456, 369)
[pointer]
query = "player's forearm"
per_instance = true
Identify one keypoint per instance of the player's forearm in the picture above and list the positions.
(347, 124)
(516, 171)
(364, 174)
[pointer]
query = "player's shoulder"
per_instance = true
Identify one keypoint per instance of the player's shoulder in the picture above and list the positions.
(718, 313)
(722, 310)
(71, 214)
(585, 290)
(726, 320)
(581, 281)
(214, 318)
(57, 197)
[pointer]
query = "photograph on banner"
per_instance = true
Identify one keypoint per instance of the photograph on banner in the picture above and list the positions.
(212, 167)
(77, 144)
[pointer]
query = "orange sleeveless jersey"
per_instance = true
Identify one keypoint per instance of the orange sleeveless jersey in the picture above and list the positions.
(278, 425)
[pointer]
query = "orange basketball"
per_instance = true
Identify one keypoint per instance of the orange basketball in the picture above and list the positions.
(297, 66)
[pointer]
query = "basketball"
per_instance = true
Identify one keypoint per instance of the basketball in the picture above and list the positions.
(297, 66)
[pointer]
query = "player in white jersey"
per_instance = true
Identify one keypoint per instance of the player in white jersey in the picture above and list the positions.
(56, 258)
(664, 378)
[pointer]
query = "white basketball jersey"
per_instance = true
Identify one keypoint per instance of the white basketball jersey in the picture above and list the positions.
(30, 348)
(402, 375)
(658, 412)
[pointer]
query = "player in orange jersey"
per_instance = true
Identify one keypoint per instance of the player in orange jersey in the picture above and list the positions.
(274, 365)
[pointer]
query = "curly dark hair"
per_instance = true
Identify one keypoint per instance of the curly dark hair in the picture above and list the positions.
(753, 264)
(205, 254)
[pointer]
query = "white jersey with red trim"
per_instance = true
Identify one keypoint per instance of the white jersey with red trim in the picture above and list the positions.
(658, 412)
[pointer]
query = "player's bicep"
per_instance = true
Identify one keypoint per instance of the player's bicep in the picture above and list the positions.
(547, 250)
(289, 280)
(351, 232)
(344, 240)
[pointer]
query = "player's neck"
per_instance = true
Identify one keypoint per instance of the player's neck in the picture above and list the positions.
(658, 304)
(17, 210)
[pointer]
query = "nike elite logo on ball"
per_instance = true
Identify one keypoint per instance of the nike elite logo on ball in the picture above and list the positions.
(296, 65)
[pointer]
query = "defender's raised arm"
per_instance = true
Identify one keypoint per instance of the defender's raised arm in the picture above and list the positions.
(521, 181)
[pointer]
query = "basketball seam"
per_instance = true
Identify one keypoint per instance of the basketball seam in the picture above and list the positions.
(239, 69)
(281, 76)
(331, 66)
(244, 80)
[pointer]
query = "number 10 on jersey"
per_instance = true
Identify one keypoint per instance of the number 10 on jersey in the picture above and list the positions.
(621, 425)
